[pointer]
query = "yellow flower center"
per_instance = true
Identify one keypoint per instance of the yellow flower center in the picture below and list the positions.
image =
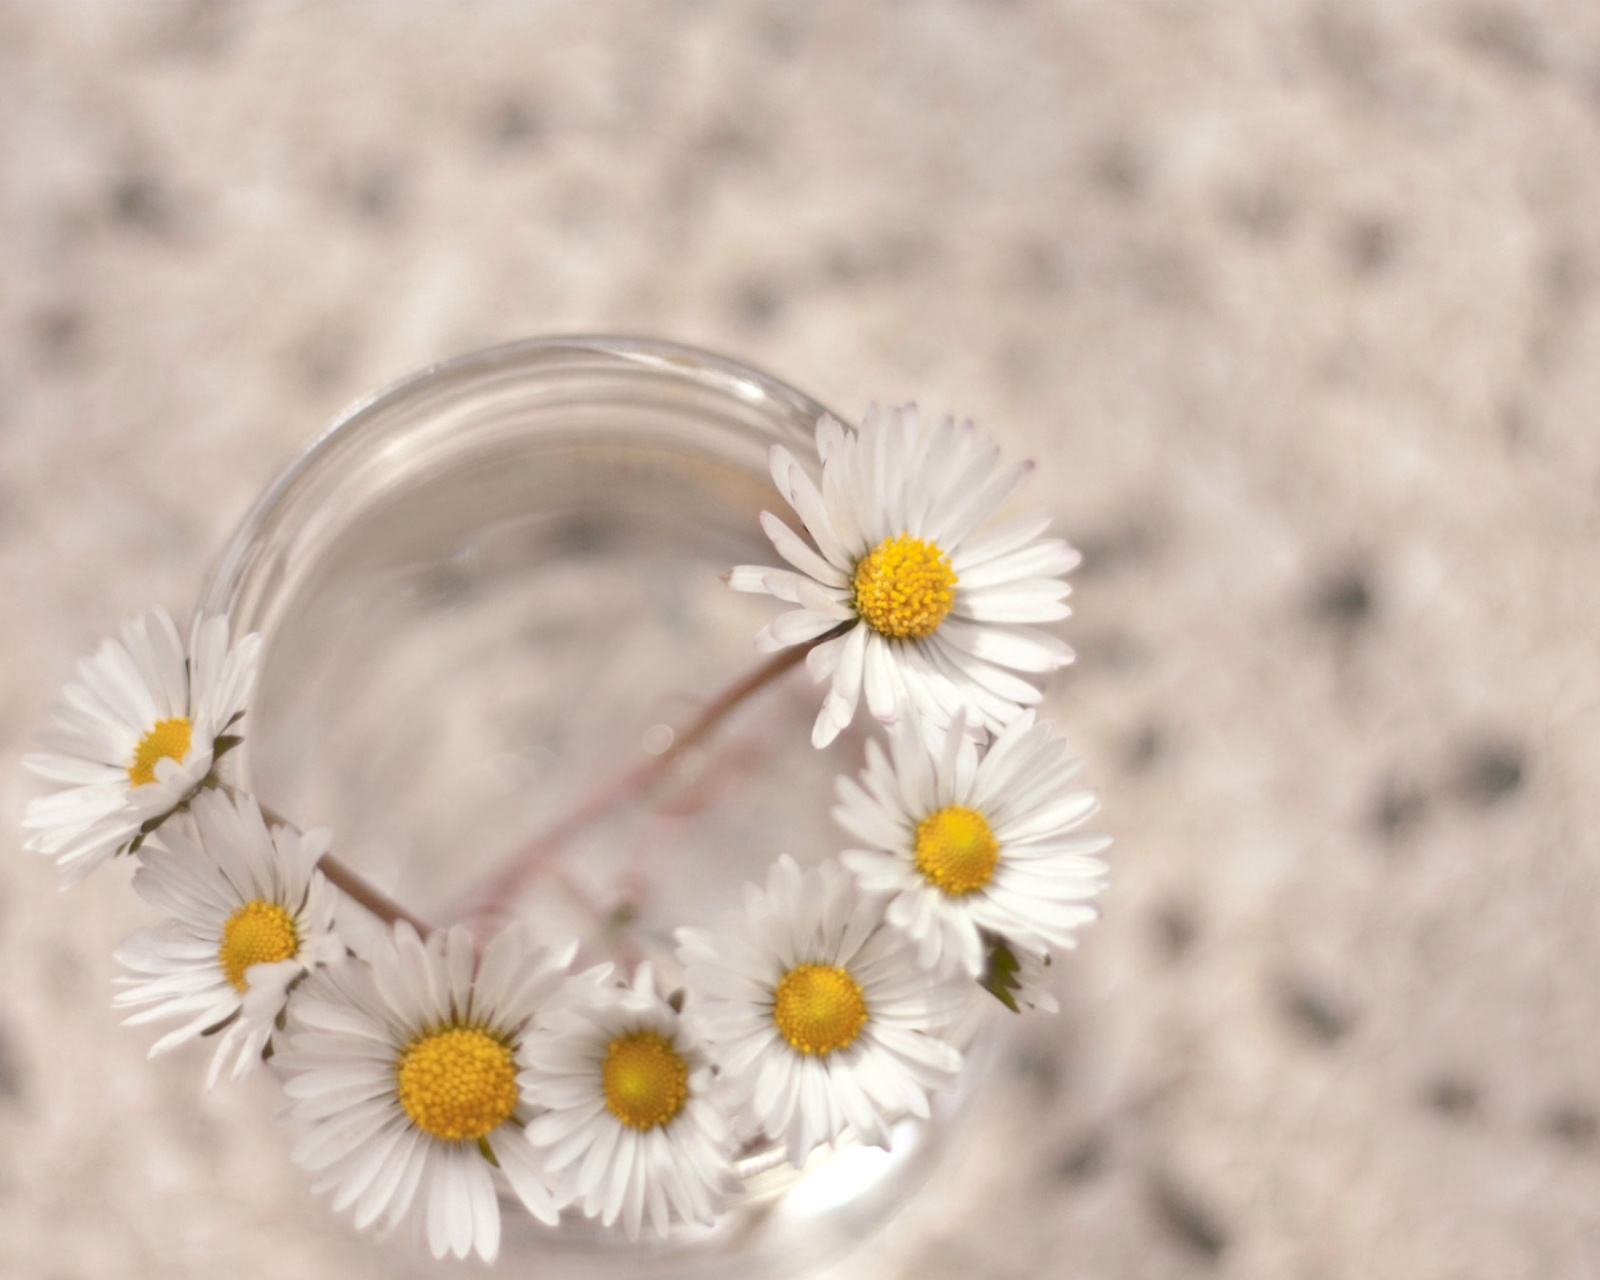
(458, 1084)
(167, 740)
(904, 587)
(646, 1082)
(818, 1008)
(956, 850)
(256, 933)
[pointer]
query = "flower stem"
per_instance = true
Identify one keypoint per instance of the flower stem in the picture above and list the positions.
(348, 882)
(527, 862)
(374, 900)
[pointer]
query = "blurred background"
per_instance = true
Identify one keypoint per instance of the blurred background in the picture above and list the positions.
(1294, 303)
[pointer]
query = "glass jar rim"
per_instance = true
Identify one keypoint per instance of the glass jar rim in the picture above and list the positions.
(742, 382)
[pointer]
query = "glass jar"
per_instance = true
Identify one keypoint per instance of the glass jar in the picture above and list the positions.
(490, 588)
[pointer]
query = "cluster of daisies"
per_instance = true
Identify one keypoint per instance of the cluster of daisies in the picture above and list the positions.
(430, 1078)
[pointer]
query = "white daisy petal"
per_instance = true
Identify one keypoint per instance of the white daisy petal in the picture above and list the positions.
(1014, 604)
(476, 1179)
(1020, 648)
(790, 546)
(839, 495)
(983, 503)
(882, 687)
(758, 579)
(839, 708)
(795, 627)
(1043, 559)
(963, 668)
(523, 1170)
(806, 499)
(1001, 539)
(823, 661)
(831, 435)
(54, 768)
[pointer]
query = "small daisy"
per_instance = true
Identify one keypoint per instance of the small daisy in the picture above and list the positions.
(402, 1076)
(630, 1129)
(970, 844)
(250, 915)
(137, 738)
(818, 1015)
(937, 616)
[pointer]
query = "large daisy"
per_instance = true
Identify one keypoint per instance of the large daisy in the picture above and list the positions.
(972, 844)
(250, 914)
(630, 1128)
(402, 1075)
(137, 737)
(818, 1015)
(935, 615)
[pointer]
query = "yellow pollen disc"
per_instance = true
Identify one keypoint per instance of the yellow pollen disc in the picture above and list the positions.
(167, 740)
(955, 850)
(818, 1008)
(256, 933)
(904, 587)
(458, 1084)
(646, 1082)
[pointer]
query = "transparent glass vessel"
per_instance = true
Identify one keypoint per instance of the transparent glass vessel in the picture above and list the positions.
(497, 584)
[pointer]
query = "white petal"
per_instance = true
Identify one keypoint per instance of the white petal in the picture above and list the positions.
(794, 627)
(801, 494)
(796, 552)
(1020, 648)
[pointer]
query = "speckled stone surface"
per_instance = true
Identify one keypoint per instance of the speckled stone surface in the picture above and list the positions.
(1295, 304)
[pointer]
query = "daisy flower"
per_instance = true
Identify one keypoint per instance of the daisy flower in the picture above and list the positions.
(818, 1015)
(971, 844)
(250, 915)
(937, 616)
(402, 1079)
(137, 738)
(631, 1128)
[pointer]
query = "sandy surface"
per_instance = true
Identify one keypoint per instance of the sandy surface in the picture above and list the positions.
(1294, 304)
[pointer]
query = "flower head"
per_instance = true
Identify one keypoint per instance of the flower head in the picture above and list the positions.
(137, 738)
(402, 1075)
(631, 1129)
(817, 1012)
(970, 844)
(935, 615)
(249, 916)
